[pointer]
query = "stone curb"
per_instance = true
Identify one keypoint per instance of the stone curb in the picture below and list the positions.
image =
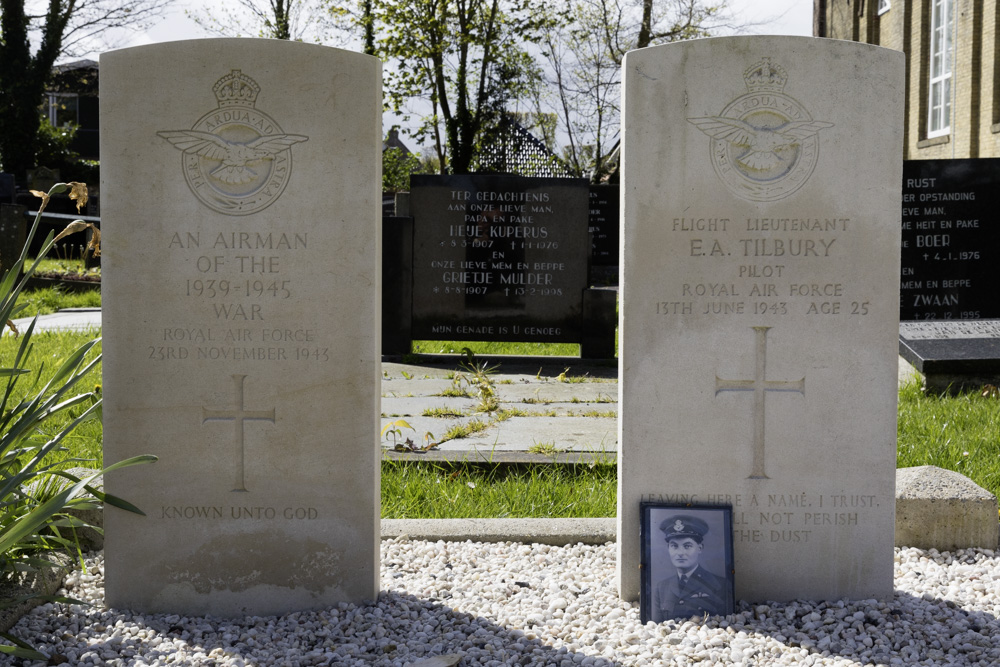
(474, 456)
(555, 532)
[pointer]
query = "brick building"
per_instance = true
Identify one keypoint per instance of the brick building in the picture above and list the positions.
(952, 73)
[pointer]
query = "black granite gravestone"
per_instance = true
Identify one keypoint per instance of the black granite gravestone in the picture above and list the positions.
(499, 258)
(604, 223)
(7, 189)
(951, 240)
(13, 229)
(953, 355)
(397, 284)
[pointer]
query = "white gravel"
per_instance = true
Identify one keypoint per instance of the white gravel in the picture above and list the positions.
(517, 604)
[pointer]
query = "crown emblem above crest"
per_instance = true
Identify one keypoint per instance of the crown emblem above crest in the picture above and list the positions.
(236, 88)
(765, 76)
(678, 525)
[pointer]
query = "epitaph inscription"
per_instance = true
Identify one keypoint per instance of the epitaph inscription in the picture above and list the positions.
(237, 160)
(499, 257)
(942, 330)
(605, 214)
(951, 241)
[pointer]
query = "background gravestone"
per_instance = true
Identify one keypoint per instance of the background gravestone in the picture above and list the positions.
(499, 258)
(758, 363)
(605, 223)
(7, 188)
(952, 355)
(241, 226)
(951, 240)
(13, 232)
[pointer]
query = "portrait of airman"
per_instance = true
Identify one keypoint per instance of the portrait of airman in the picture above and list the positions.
(691, 590)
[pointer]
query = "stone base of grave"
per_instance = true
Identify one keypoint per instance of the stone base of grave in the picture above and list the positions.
(944, 510)
(954, 383)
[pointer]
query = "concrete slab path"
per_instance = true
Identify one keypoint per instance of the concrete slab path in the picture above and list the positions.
(551, 408)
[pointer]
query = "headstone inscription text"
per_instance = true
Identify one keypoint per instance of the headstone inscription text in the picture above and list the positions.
(963, 330)
(758, 339)
(223, 325)
(499, 257)
(951, 242)
(605, 209)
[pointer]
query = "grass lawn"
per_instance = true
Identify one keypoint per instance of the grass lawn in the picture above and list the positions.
(50, 299)
(49, 349)
(430, 490)
(959, 433)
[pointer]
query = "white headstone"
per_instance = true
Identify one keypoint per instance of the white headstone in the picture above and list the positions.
(760, 301)
(240, 198)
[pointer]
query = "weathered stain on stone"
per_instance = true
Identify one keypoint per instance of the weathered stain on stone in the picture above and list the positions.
(239, 563)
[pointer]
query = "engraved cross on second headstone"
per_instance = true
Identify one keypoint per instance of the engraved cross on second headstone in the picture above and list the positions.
(238, 415)
(759, 385)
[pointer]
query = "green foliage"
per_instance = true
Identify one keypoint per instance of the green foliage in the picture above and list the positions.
(545, 448)
(584, 52)
(298, 20)
(466, 57)
(49, 348)
(54, 145)
(459, 431)
(393, 432)
(58, 29)
(397, 166)
(442, 413)
(36, 497)
(477, 380)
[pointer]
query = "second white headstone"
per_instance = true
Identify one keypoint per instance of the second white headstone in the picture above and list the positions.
(761, 230)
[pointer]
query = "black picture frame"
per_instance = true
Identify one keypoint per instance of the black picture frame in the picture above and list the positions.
(711, 587)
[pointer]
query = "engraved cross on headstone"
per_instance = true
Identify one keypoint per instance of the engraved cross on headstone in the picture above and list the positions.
(759, 385)
(238, 415)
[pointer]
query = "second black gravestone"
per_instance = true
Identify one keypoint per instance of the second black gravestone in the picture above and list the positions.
(951, 243)
(605, 209)
(499, 258)
(953, 355)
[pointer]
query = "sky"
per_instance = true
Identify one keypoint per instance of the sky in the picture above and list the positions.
(763, 17)
(770, 17)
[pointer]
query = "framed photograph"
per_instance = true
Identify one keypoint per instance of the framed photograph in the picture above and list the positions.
(687, 561)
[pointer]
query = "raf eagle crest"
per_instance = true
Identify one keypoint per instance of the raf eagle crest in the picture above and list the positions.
(236, 159)
(764, 144)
